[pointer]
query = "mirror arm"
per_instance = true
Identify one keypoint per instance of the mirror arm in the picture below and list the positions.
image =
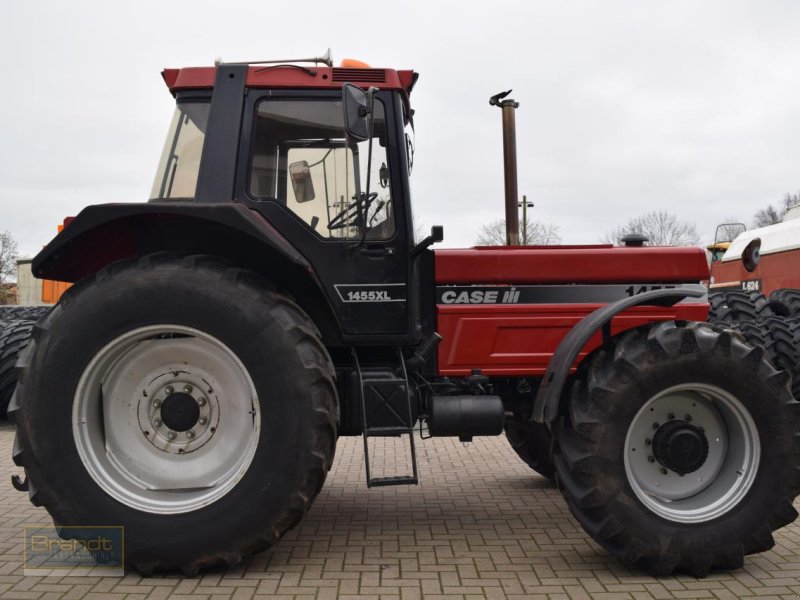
(437, 235)
(371, 111)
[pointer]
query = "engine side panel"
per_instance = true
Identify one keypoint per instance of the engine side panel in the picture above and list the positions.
(505, 309)
(570, 265)
(519, 340)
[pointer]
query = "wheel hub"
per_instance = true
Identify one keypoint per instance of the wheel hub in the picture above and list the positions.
(680, 446)
(691, 452)
(177, 414)
(180, 411)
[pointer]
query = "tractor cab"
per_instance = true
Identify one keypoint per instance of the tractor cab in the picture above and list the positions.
(717, 250)
(301, 158)
(259, 168)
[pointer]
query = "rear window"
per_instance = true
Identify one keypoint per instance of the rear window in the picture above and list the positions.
(176, 177)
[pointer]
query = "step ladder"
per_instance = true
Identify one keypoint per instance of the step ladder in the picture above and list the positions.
(385, 393)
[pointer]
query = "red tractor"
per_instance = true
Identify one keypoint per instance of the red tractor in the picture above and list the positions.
(270, 297)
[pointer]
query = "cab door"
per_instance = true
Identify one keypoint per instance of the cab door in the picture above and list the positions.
(310, 181)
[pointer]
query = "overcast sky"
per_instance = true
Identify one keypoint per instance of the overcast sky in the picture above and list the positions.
(626, 107)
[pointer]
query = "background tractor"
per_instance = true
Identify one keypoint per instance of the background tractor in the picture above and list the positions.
(755, 288)
(269, 298)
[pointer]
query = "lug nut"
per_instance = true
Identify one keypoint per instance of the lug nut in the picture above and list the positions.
(648, 442)
(190, 434)
(651, 459)
(201, 401)
(169, 389)
(670, 416)
(171, 435)
(157, 422)
(663, 471)
(156, 403)
(202, 420)
(688, 418)
(655, 425)
(188, 389)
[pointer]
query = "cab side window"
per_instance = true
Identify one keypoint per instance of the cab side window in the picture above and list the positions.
(303, 160)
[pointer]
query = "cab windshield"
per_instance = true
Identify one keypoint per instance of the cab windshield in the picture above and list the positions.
(303, 160)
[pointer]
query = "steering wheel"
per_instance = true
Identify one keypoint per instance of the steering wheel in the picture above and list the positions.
(354, 213)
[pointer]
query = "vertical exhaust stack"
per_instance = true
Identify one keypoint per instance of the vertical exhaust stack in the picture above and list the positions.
(509, 108)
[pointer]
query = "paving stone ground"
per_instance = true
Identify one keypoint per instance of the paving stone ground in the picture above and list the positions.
(479, 525)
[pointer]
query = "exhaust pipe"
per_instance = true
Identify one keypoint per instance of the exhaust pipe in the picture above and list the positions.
(509, 108)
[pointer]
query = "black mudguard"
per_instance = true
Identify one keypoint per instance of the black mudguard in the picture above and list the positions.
(103, 233)
(548, 398)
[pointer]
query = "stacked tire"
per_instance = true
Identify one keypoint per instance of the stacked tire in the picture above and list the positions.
(26, 313)
(772, 324)
(785, 302)
(730, 307)
(15, 334)
(16, 325)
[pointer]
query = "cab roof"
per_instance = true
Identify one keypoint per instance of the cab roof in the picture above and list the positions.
(294, 76)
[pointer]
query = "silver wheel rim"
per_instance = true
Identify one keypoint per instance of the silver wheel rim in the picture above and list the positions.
(728, 471)
(123, 435)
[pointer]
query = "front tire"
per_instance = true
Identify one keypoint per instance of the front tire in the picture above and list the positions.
(532, 442)
(679, 453)
(182, 399)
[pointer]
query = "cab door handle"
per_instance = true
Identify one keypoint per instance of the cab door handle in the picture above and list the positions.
(375, 251)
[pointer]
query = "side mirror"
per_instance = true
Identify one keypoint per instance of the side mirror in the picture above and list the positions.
(356, 106)
(303, 186)
(436, 236)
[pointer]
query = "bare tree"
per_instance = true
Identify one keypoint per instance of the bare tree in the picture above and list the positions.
(729, 229)
(537, 234)
(660, 227)
(8, 266)
(767, 216)
(770, 214)
(8, 257)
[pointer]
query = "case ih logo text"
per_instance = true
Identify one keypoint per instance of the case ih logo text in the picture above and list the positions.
(545, 294)
(510, 296)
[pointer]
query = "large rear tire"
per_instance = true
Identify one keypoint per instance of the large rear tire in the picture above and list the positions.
(14, 337)
(679, 450)
(182, 399)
